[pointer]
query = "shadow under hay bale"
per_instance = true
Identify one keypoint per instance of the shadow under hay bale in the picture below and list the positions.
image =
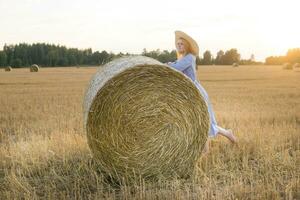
(8, 69)
(287, 66)
(144, 118)
(34, 68)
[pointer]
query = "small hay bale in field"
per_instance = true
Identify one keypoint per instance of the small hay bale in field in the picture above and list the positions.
(235, 65)
(296, 65)
(144, 118)
(34, 68)
(287, 66)
(8, 69)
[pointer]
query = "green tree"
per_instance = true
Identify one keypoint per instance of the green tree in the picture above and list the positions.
(207, 58)
(219, 58)
(275, 60)
(3, 59)
(53, 58)
(293, 55)
(16, 62)
(162, 56)
(231, 56)
(9, 50)
(104, 57)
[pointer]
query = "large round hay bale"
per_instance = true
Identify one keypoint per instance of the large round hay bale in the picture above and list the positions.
(34, 68)
(287, 66)
(144, 118)
(8, 69)
(235, 65)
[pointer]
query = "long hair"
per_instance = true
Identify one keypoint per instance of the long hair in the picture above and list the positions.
(187, 48)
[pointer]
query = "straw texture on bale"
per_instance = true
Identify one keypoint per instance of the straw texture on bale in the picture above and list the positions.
(144, 118)
(8, 69)
(34, 68)
(287, 66)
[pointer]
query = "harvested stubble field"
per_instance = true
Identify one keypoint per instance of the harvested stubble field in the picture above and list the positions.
(44, 151)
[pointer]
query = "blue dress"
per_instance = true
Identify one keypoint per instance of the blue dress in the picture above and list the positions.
(187, 65)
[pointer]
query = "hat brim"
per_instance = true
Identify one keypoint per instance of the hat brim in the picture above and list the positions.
(193, 44)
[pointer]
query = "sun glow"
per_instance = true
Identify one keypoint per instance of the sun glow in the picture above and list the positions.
(262, 28)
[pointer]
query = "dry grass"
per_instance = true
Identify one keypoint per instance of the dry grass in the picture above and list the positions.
(44, 152)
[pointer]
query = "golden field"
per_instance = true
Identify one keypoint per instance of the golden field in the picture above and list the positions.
(44, 152)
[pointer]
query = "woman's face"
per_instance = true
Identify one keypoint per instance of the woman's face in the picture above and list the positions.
(181, 46)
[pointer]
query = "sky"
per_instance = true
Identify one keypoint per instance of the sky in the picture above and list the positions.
(259, 27)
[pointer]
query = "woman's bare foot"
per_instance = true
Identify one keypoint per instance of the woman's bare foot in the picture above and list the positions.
(231, 136)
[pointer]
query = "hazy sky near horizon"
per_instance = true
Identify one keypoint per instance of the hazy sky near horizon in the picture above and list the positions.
(259, 27)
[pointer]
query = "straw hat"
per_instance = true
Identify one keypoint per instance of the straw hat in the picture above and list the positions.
(193, 44)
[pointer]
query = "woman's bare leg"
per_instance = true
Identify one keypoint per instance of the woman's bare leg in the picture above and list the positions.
(228, 134)
(206, 148)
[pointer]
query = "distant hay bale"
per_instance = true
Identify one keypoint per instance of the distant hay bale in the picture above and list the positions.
(34, 68)
(235, 64)
(8, 69)
(296, 65)
(144, 118)
(287, 66)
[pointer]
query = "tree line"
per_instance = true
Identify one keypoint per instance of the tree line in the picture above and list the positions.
(51, 55)
(292, 56)
(228, 57)
(22, 55)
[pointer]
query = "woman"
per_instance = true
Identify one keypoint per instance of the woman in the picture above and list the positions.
(187, 50)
